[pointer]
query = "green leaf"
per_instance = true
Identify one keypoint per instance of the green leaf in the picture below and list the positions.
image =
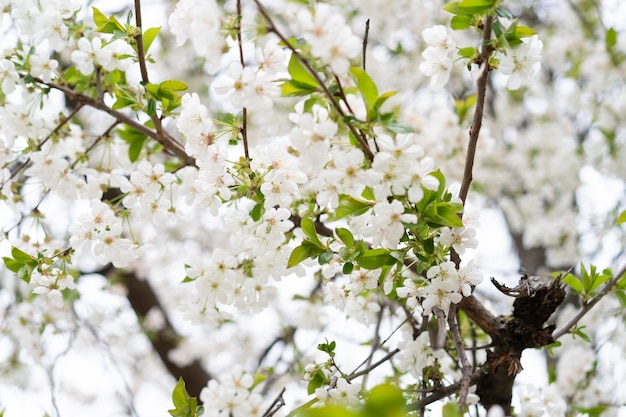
(573, 282)
(327, 411)
(148, 37)
(578, 331)
(350, 206)
(366, 86)
(346, 236)
(441, 213)
(99, 18)
(469, 7)
(451, 409)
(524, 32)
(173, 85)
(108, 24)
(316, 382)
(11, 264)
(347, 268)
(621, 297)
(460, 22)
(375, 258)
(305, 251)
(622, 217)
(383, 97)
(180, 397)
(299, 73)
(291, 88)
(256, 212)
(308, 228)
(20, 255)
(468, 52)
(385, 401)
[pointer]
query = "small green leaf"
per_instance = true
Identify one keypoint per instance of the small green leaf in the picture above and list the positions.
(578, 331)
(20, 255)
(347, 268)
(299, 73)
(148, 37)
(385, 401)
(99, 18)
(451, 409)
(305, 251)
(12, 265)
(308, 228)
(291, 88)
(180, 397)
(256, 212)
(173, 85)
(468, 52)
(622, 217)
(366, 86)
(350, 206)
(108, 24)
(440, 214)
(375, 258)
(326, 257)
(316, 382)
(573, 282)
(346, 236)
(460, 22)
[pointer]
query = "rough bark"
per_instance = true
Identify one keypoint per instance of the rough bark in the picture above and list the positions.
(536, 298)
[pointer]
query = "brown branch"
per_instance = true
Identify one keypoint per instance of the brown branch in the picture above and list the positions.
(480, 106)
(142, 298)
(272, 28)
(443, 393)
(466, 367)
(587, 307)
(168, 142)
(244, 111)
(476, 311)
(161, 136)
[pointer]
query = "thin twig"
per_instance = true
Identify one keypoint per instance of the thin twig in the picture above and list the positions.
(272, 28)
(585, 309)
(466, 367)
(373, 366)
(168, 142)
(160, 136)
(443, 392)
(276, 405)
(478, 114)
(244, 111)
(58, 127)
(365, 36)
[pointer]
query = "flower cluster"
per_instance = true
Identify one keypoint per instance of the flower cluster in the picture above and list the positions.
(439, 56)
(234, 395)
(329, 37)
(100, 232)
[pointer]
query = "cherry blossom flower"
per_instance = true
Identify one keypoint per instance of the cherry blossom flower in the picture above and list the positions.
(9, 78)
(385, 225)
(438, 56)
(89, 54)
(330, 37)
(198, 20)
(344, 392)
(523, 63)
(43, 67)
(416, 354)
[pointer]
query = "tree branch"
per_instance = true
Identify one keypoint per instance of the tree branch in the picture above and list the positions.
(272, 28)
(480, 106)
(168, 142)
(587, 307)
(466, 367)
